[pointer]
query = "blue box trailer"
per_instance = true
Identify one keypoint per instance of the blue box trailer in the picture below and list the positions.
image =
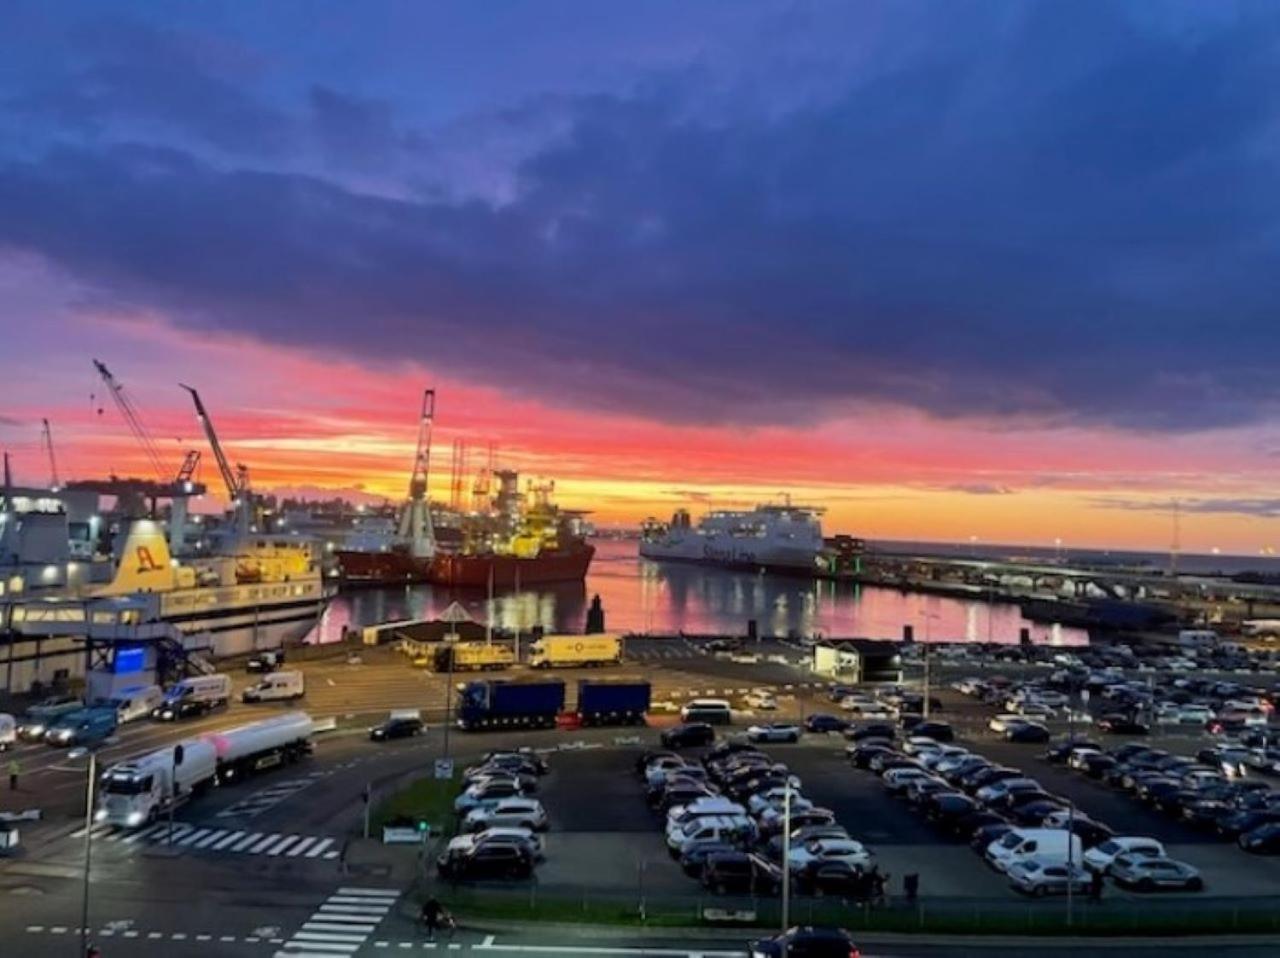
(504, 704)
(613, 703)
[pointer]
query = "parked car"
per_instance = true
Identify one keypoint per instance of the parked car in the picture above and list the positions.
(1101, 858)
(1264, 840)
(741, 872)
(500, 836)
(761, 700)
(938, 731)
(1121, 725)
(876, 730)
(1027, 732)
(1039, 878)
(834, 878)
(774, 732)
(1140, 873)
(495, 860)
(510, 812)
(830, 849)
(807, 942)
(688, 735)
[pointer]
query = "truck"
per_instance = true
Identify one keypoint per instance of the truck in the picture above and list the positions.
(37, 719)
(82, 727)
(134, 702)
(194, 696)
(502, 704)
(140, 790)
(612, 703)
(276, 687)
(575, 651)
(479, 656)
(251, 748)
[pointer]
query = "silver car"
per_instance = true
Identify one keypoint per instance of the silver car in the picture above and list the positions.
(1143, 873)
(1039, 878)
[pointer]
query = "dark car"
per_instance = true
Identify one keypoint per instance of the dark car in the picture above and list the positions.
(1026, 732)
(1091, 833)
(945, 809)
(982, 838)
(728, 749)
(1116, 724)
(486, 861)
(938, 731)
(967, 766)
(690, 735)
(837, 879)
(1237, 823)
(807, 942)
(821, 722)
(396, 728)
(1032, 814)
(741, 872)
(987, 776)
(1264, 840)
(1059, 753)
(695, 856)
(965, 826)
(884, 730)
(1096, 765)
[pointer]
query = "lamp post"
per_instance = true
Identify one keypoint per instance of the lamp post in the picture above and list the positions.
(90, 782)
(786, 855)
(928, 617)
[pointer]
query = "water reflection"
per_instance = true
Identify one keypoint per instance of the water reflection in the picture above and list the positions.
(667, 598)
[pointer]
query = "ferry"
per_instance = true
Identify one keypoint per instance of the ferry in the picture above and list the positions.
(777, 538)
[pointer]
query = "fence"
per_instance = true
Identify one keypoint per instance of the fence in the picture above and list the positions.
(1163, 916)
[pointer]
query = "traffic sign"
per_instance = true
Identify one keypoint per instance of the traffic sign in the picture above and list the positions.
(444, 768)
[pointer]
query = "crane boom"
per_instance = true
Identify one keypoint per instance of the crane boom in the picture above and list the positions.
(47, 438)
(134, 421)
(236, 481)
(422, 458)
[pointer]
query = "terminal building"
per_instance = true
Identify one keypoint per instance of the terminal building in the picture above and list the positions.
(858, 660)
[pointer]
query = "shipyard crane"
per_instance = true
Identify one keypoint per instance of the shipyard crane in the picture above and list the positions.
(130, 414)
(236, 480)
(46, 439)
(415, 521)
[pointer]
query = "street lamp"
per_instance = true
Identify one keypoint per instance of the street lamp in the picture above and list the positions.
(90, 784)
(928, 617)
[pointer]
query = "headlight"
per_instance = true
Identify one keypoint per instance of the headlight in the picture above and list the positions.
(100, 815)
(35, 729)
(135, 818)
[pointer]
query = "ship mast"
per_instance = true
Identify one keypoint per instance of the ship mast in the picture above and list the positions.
(415, 521)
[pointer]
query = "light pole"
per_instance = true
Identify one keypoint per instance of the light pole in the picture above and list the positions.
(928, 617)
(786, 856)
(91, 781)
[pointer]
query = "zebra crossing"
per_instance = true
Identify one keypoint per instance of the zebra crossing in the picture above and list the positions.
(213, 839)
(342, 924)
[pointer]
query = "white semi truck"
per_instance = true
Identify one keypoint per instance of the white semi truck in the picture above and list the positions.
(140, 790)
(246, 749)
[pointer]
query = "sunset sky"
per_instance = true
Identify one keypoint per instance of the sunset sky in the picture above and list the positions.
(1005, 270)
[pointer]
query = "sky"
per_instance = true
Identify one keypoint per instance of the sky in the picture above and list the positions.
(990, 270)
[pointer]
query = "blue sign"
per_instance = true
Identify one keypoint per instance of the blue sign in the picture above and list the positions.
(130, 659)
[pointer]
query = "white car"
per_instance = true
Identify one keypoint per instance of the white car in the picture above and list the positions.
(897, 779)
(1036, 877)
(994, 792)
(919, 745)
(771, 798)
(761, 700)
(829, 849)
(1035, 710)
(515, 836)
(508, 813)
(1101, 857)
(486, 794)
(773, 732)
(931, 760)
(771, 819)
(1005, 721)
(861, 708)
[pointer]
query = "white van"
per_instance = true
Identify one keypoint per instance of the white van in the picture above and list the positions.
(8, 731)
(135, 702)
(276, 687)
(712, 828)
(1043, 844)
(711, 711)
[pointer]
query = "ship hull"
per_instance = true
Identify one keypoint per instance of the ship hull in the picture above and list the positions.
(381, 568)
(477, 571)
(715, 551)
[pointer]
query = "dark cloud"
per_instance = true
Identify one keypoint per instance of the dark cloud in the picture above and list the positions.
(1059, 214)
(981, 489)
(1257, 508)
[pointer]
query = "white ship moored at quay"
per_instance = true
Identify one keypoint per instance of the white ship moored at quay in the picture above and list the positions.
(779, 538)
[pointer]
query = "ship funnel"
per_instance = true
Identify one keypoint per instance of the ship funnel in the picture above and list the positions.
(143, 564)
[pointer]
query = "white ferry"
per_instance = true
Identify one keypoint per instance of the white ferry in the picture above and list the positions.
(781, 538)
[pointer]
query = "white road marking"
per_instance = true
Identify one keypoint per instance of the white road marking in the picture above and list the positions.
(228, 840)
(320, 846)
(302, 846)
(277, 848)
(270, 839)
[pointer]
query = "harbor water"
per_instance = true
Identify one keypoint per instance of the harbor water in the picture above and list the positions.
(672, 598)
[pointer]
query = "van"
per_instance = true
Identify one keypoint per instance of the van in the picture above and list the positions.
(276, 687)
(730, 829)
(1197, 638)
(194, 696)
(1043, 844)
(135, 702)
(712, 711)
(8, 731)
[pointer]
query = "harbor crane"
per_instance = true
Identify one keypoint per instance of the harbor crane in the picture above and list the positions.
(415, 522)
(134, 421)
(236, 480)
(46, 439)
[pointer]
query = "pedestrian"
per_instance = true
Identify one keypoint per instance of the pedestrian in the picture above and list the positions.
(431, 911)
(911, 886)
(1095, 887)
(13, 775)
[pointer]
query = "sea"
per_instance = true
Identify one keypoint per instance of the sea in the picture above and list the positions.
(641, 596)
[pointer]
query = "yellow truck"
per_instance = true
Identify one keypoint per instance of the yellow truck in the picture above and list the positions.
(467, 656)
(575, 651)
